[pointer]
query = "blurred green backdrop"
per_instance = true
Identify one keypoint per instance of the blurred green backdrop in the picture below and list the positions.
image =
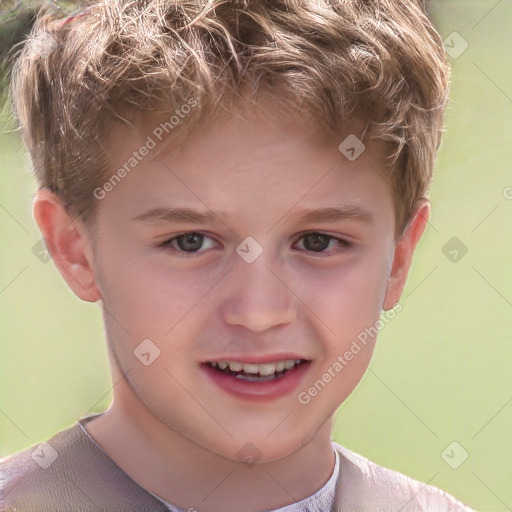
(439, 388)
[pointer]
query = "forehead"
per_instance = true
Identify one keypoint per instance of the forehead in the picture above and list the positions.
(254, 156)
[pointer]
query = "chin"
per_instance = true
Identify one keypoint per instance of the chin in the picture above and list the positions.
(267, 449)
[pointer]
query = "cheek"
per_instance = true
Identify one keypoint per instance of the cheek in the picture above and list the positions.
(349, 303)
(348, 297)
(150, 309)
(148, 296)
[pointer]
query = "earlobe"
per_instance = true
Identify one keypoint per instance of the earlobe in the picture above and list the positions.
(404, 250)
(68, 243)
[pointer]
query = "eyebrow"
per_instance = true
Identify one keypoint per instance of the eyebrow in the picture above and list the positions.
(327, 214)
(177, 214)
(332, 214)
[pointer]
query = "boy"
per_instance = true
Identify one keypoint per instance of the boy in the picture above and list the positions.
(295, 140)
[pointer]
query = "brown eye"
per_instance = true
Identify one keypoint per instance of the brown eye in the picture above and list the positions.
(187, 242)
(317, 242)
(191, 242)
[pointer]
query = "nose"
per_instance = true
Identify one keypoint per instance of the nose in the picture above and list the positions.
(257, 296)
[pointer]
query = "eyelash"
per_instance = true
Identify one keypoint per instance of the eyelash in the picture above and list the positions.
(167, 244)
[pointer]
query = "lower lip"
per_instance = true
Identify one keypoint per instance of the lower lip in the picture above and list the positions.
(264, 390)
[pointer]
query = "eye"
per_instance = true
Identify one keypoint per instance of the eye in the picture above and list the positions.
(187, 242)
(313, 242)
(318, 242)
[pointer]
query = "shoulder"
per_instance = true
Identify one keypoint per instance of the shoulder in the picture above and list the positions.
(69, 471)
(365, 486)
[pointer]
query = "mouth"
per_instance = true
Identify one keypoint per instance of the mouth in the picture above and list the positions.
(256, 372)
(257, 381)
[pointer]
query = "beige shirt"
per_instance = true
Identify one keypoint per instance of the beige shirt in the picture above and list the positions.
(321, 500)
(70, 472)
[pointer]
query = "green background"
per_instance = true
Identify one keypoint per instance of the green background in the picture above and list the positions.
(441, 371)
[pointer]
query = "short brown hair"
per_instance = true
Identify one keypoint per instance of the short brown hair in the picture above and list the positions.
(379, 61)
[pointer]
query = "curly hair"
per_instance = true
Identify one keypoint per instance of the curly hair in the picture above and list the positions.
(379, 62)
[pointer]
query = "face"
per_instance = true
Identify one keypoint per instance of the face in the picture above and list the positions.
(250, 260)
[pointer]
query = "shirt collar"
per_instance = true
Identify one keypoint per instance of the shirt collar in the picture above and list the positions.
(320, 501)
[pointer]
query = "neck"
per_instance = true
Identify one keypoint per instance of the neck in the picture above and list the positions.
(186, 474)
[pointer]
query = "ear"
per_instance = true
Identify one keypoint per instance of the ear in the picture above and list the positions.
(404, 250)
(68, 243)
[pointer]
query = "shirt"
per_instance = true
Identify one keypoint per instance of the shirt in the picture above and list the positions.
(320, 501)
(71, 473)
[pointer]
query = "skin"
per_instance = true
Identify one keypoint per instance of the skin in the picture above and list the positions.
(169, 428)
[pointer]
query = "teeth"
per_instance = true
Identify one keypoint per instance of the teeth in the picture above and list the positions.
(235, 366)
(264, 370)
(267, 369)
(250, 368)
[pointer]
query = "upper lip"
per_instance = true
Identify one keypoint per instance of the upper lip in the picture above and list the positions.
(257, 359)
